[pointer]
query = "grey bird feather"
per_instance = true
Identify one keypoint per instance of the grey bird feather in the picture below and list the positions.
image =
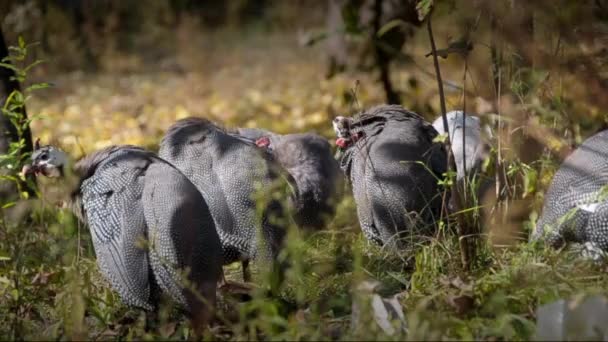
(228, 170)
(575, 209)
(307, 157)
(394, 167)
(319, 181)
(148, 223)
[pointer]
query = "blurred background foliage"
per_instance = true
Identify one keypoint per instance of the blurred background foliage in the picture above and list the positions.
(121, 71)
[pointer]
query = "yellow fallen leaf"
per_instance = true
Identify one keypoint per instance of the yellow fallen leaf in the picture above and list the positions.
(316, 118)
(181, 112)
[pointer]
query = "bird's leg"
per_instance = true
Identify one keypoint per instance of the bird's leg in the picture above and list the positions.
(202, 312)
(151, 320)
(246, 273)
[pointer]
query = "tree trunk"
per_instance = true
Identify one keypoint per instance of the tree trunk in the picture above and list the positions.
(383, 60)
(8, 132)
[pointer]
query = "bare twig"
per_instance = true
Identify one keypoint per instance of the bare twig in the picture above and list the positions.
(450, 158)
(467, 226)
(355, 99)
(439, 79)
(464, 116)
(497, 77)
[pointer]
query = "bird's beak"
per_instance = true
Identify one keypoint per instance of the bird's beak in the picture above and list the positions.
(29, 170)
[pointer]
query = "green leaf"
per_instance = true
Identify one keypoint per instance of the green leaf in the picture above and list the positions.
(4, 258)
(32, 65)
(21, 42)
(423, 7)
(441, 138)
(8, 205)
(37, 86)
(9, 66)
(530, 180)
(15, 294)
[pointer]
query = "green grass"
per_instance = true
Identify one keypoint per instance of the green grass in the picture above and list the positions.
(50, 287)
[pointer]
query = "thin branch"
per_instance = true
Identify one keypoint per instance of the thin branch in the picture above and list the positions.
(464, 116)
(497, 77)
(462, 242)
(438, 75)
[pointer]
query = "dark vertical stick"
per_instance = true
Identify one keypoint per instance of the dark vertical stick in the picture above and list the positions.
(466, 197)
(497, 77)
(464, 117)
(439, 79)
(455, 194)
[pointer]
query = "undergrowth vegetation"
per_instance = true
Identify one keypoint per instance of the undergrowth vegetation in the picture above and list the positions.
(49, 284)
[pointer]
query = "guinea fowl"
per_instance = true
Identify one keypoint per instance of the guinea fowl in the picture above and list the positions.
(307, 157)
(148, 224)
(394, 167)
(474, 149)
(228, 170)
(576, 207)
(254, 134)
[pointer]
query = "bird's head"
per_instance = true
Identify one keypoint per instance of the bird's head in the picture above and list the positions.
(342, 126)
(48, 161)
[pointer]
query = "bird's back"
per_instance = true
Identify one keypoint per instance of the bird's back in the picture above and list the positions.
(229, 172)
(576, 194)
(111, 187)
(148, 223)
(393, 169)
(319, 181)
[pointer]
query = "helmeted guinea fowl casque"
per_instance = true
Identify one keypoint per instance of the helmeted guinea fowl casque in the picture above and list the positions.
(148, 225)
(576, 207)
(394, 167)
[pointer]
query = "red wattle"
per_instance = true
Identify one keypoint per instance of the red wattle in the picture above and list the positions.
(341, 142)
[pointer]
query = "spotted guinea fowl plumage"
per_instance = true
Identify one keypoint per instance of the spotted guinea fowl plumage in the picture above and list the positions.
(576, 207)
(394, 166)
(229, 171)
(318, 180)
(148, 225)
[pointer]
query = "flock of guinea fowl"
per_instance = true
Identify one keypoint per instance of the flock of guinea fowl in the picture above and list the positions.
(207, 198)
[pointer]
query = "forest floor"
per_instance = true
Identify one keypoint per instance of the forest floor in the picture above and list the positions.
(275, 84)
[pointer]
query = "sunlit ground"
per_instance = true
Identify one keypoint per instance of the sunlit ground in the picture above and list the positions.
(269, 82)
(255, 81)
